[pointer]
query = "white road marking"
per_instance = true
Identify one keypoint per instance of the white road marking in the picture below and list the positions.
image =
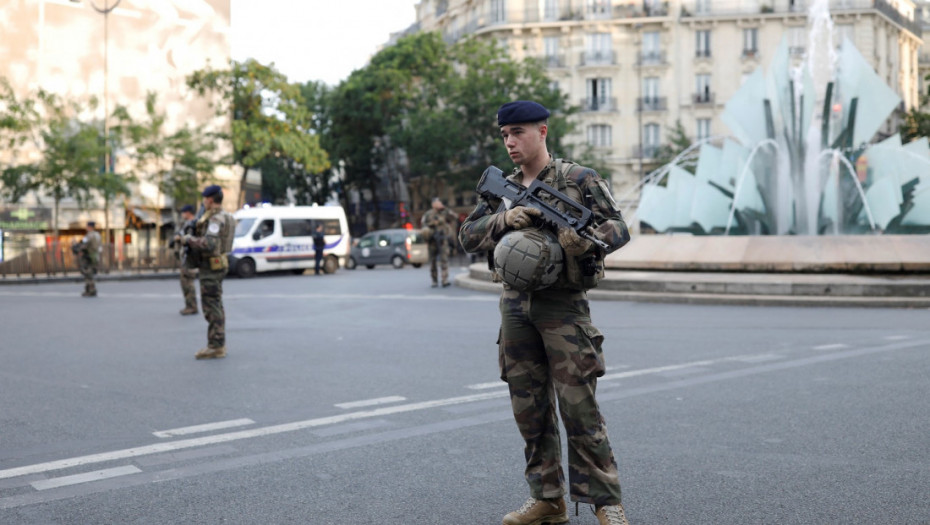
(834, 346)
(207, 427)
(371, 402)
(485, 386)
(305, 296)
(86, 477)
(896, 337)
(660, 369)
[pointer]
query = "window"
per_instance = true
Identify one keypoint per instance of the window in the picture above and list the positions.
(702, 87)
(750, 41)
(650, 140)
(598, 48)
(266, 228)
(330, 226)
(702, 6)
(651, 89)
(651, 51)
(797, 38)
(383, 240)
(599, 136)
(703, 128)
(597, 8)
(598, 93)
(296, 227)
(702, 45)
(551, 50)
(498, 12)
(550, 9)
(243, 226)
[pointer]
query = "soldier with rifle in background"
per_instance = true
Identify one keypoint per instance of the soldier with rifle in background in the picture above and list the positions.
(439, 225)
(188, 265)
(88, 252)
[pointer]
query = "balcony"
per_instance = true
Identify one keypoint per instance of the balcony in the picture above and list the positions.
(553, 61)
(644, 104)
(703, 99)
(796, 51)
(750, 54)
(597, 58)
(702, 53)
(599, 104)
(534, 13)
(651, 58)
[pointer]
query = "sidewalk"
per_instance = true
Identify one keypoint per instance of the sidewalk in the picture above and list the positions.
(741, 288)
(76, 277)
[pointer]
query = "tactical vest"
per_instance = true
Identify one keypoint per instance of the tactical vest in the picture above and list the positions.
(582, 272)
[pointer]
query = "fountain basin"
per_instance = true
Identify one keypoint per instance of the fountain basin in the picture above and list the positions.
(854, 254)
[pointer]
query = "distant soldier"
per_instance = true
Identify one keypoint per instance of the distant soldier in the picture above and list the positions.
(319, 244)
(88, 252)
(211, 241)
(188, 265)
(439, 225)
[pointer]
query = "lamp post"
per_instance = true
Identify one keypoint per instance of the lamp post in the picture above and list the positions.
(105, 11)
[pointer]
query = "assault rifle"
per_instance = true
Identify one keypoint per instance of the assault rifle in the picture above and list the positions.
(494, 184)
(189, 228)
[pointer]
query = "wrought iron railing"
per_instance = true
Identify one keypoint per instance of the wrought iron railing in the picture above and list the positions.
(57, 259)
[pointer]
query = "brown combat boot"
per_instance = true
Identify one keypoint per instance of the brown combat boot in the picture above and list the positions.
(611, 515)
(538, 512)
(190, 310)
(211, 353)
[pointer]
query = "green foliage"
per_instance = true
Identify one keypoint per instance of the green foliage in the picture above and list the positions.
(269, 116)
(678, 142)
(916, 124)
(176, 163)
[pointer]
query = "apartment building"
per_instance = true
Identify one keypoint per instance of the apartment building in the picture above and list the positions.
(117, 51)
(637, 68)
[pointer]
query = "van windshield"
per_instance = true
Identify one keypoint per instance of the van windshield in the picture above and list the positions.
(243, 226)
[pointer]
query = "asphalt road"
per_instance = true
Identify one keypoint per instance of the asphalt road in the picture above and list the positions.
(367, 397)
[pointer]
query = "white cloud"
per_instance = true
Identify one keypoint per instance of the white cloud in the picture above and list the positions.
(316, 39)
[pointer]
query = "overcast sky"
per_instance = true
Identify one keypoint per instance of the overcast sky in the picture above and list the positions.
(316, 39)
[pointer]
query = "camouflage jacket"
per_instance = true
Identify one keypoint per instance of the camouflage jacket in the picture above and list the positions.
(210, 233)
(485, 226)
(91, 246)
(440, 223)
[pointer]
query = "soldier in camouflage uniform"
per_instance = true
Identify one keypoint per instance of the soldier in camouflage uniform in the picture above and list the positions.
(89, 257)
(211, 241)
(548, 348)
(438, 226)
(188, 267)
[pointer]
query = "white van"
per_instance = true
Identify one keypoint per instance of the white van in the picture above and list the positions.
(272, 238)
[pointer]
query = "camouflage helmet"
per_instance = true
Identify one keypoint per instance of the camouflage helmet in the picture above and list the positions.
(528, 259)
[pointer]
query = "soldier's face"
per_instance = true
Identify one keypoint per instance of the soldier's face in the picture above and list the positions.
(524, 142)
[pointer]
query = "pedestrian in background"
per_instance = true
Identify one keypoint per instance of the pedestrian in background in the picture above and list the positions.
(211, 242)
(319, 244)
(88, 251)
(439, 225)
(187, 264)
(548, 348)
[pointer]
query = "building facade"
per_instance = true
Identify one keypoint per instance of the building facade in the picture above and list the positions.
(116, 51)
(636, 69)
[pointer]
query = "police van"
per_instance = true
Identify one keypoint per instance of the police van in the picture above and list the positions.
(270, 238)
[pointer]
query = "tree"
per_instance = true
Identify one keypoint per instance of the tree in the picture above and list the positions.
(916, 124)
(69, 149)
(677, 143)
(175, 163)
(269, 117)
(18, 118)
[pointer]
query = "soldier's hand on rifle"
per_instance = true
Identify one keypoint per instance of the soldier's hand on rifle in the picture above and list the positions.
(520, 217)
(572, 243)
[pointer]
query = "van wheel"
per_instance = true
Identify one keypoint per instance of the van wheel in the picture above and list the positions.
(417, 265)
(397, 262)
(370, 266)
(350, 263)
(330, 264)
(245, 268)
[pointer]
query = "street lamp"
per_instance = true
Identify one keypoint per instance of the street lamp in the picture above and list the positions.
(105, 11)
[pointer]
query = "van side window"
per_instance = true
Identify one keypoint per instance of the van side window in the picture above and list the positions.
(266, 228)
(384, 240)
(296, 227)
(399, 239)
(366, 242)
(330, 226)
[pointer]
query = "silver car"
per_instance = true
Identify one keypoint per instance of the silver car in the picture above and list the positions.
(397, 247)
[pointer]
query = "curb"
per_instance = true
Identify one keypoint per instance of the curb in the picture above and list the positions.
(166, 274)
(740, 289)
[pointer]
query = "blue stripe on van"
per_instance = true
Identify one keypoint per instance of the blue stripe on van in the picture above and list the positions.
(283, 248)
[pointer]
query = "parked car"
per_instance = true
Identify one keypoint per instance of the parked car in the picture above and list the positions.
(396, 247)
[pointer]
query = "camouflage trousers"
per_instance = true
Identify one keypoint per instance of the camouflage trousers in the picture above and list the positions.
(188, 276)
(89, 270)
(211, 300)
(549, 351)
(438, 256)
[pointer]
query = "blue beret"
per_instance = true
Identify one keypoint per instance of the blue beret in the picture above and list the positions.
(210, 191)
(521, 111)
(187, 208)
(92, 224)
